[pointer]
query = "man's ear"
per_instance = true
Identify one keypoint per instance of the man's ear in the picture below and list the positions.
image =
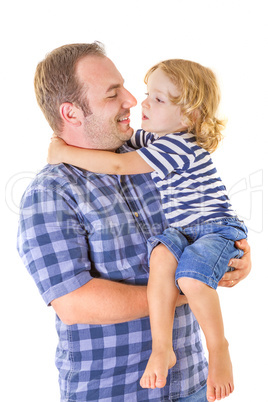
(71, 114)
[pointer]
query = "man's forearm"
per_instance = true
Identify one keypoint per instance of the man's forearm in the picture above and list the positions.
(102, 302)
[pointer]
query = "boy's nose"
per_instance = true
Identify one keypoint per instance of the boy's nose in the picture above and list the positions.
(145, 103)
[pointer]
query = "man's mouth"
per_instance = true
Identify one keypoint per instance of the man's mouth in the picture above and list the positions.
(124, 119)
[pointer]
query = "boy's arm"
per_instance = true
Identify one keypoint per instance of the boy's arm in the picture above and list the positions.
(97, 161)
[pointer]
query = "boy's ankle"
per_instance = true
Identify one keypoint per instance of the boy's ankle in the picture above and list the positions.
(219, 344)
(161, 347)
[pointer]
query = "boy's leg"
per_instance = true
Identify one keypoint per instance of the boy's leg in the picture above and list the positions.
(162, 296)
(204, 303)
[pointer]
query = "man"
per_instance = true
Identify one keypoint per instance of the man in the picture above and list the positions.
(82, 237)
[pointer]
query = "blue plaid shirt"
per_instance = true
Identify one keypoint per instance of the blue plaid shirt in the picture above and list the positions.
(75, 226)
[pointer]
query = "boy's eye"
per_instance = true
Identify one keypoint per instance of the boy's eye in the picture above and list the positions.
(156, 98)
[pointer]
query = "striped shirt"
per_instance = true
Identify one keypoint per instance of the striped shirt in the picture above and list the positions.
(75, 226)
(191, 190)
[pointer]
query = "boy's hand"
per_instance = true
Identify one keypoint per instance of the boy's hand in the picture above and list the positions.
(55, 150)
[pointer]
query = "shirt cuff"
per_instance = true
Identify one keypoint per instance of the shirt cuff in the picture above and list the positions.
(66, 287)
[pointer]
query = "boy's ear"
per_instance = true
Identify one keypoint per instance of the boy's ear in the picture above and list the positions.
(196, 115)
(70, 114)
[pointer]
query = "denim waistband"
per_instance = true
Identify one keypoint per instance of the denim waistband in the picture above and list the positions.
(217, 220)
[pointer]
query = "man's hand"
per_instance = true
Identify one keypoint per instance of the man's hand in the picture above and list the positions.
(55, 150)
(242, 266)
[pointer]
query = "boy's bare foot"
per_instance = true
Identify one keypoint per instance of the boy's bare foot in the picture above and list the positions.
(156, 372)
(220, 374)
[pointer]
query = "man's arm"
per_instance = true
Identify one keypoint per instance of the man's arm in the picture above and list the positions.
(105, 302)
(54, 248)
(101, 302)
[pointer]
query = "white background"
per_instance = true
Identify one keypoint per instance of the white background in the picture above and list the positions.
(230, 36)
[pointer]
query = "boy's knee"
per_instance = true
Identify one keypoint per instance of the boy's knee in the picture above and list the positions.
(162, 253)
(160, 250)
(190, 285)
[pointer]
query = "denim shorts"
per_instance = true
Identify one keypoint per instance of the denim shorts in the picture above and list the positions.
(199, 396)
(203, 251)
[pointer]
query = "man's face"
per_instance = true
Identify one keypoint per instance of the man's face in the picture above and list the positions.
(108, 127)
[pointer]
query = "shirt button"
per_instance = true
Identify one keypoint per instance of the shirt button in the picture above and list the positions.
(136, 214)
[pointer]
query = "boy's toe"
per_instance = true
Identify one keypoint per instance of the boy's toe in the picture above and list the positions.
(210, 393)
(160, 381)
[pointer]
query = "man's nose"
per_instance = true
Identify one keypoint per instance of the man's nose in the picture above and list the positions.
(129, 100)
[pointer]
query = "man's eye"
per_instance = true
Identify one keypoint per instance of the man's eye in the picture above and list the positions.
(112, 97)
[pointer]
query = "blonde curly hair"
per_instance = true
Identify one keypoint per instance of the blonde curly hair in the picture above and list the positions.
(199, 98)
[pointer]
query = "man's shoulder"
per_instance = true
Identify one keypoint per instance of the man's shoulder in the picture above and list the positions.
(50, 175)
(59, 179)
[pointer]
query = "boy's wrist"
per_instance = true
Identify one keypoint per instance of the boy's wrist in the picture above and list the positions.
(63, 153)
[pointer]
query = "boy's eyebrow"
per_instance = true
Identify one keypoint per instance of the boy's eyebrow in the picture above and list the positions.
(158, 91)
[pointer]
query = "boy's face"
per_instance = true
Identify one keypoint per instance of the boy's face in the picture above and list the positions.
(159, 114)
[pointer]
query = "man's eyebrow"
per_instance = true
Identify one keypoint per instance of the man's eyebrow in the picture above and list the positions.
(113, 86)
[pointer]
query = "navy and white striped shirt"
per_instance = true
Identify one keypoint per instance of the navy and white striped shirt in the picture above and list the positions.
(190, 188)
(75, 226)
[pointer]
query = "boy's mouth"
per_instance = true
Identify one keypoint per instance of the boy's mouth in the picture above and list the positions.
(144, 117)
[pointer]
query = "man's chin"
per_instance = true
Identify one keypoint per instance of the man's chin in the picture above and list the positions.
(125, 135)
(129, 133)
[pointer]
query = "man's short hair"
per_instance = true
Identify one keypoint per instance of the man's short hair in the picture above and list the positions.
(56, 82)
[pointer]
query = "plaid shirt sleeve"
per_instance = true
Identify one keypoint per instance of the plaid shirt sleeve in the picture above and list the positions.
(52, 241)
